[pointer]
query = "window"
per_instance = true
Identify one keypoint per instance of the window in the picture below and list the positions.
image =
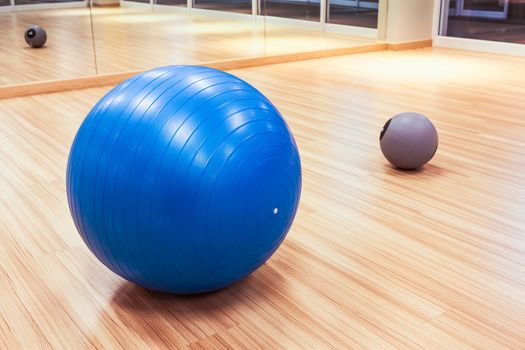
(495, 20)
(242, 6)
(33, 2)
(299, 9)
(172, 2)
(357, 13)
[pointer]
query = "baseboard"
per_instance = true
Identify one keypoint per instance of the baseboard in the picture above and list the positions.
(49, 86)
(409, 45)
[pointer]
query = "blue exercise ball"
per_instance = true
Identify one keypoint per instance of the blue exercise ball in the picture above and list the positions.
(183, 179)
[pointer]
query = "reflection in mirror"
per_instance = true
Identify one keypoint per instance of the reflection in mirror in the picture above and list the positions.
(309, 10)
(241, 6)
(141, 36)
(119, 35)
(35, 2)
(67, 53)
(182, 3)
(137, 38)
(295, 26)
(359, 13)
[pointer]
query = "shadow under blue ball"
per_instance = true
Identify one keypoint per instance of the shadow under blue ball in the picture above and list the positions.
(183, 179)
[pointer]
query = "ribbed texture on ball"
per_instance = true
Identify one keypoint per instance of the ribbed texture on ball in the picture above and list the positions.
(183, 179)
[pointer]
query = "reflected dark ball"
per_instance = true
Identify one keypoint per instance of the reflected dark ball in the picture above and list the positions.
(35, 36)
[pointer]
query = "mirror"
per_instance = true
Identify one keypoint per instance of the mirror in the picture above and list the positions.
(112, 36)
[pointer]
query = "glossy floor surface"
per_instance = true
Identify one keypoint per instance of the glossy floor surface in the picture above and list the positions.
(131, 39)
(376, 259)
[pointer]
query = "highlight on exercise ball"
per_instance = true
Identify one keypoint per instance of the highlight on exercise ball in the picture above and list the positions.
(409, 140)
(183, 179)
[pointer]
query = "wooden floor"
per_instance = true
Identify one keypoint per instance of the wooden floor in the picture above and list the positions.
(130, 39)
(376, 259)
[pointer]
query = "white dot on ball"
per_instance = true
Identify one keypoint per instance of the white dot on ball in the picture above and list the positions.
(275, 210)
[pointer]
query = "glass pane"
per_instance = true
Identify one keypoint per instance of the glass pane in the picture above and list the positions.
(242, 6)
(353, 12)
(299, 9)
(484, 5)
(171, 2)
(32, 2)
(5, 2)
(495, 20)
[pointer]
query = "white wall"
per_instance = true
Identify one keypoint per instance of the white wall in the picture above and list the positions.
(408, 20)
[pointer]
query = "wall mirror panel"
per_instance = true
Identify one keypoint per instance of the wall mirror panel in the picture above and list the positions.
(108, 36)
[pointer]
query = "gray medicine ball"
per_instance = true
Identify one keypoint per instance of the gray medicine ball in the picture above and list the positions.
(35, 36)
(408, 140)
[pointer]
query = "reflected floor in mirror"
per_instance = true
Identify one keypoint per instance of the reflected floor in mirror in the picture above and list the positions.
(377, 258)
(131, 39)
